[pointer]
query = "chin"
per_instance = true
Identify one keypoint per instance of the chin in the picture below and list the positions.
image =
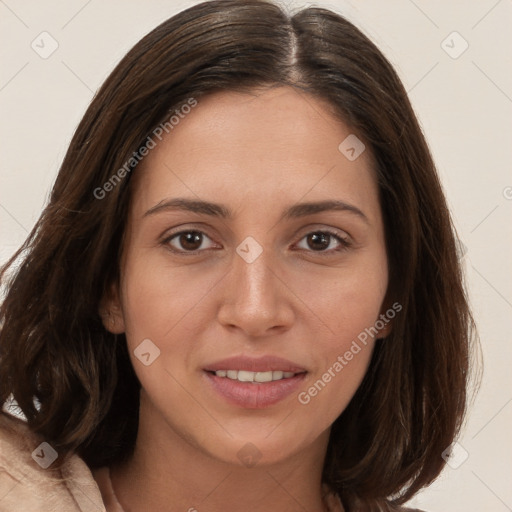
(259, 449)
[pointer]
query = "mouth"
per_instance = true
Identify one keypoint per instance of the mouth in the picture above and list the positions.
(254, 377)
(254, 383)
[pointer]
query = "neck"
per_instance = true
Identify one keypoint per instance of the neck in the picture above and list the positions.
(167, 473)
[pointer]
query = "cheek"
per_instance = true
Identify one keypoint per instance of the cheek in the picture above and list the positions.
(348, 310)
(159, 298)
(163, 304)
(343, 349)
(346, 304)
(327, 394)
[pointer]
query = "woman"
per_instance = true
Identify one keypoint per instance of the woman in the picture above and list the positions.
(244, 292)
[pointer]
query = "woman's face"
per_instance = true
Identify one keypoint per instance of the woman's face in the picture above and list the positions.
(254, 250)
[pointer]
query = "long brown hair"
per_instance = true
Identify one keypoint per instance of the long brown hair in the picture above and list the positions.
(53, 345)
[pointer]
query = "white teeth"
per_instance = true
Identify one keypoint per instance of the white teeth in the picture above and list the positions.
(246, 376)
(263, 377)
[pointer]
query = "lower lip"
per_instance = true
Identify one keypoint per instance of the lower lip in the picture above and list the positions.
(254, 395)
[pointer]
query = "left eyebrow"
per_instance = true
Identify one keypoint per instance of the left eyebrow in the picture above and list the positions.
(304, 209)
(219, 210)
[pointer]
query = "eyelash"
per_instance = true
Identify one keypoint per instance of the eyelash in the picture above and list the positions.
(343, 242)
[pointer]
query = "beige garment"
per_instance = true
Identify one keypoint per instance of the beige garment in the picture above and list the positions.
(25, 486)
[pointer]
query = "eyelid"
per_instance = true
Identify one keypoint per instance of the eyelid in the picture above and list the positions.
(184, 228)
(325, 228)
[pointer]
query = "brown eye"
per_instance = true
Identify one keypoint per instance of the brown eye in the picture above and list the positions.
(318, 241)
(324, 242)
(187, 241)
(190, 241)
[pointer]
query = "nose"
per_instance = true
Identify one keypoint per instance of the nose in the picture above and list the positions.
(256, 299)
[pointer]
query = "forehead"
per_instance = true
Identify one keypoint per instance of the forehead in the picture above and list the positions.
(248, 123)
(258, 147)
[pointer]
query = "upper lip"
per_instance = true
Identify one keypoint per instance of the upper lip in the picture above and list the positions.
(255, 364)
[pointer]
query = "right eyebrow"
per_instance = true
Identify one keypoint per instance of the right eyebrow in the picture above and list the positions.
(191, 205)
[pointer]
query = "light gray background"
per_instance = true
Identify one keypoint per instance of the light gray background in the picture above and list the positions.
(463, 103)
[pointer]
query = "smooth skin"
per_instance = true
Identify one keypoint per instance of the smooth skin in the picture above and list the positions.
(305, 298)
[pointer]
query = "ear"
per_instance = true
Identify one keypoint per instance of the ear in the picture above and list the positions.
(383, 330)
(384, 323)
(111, 311)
